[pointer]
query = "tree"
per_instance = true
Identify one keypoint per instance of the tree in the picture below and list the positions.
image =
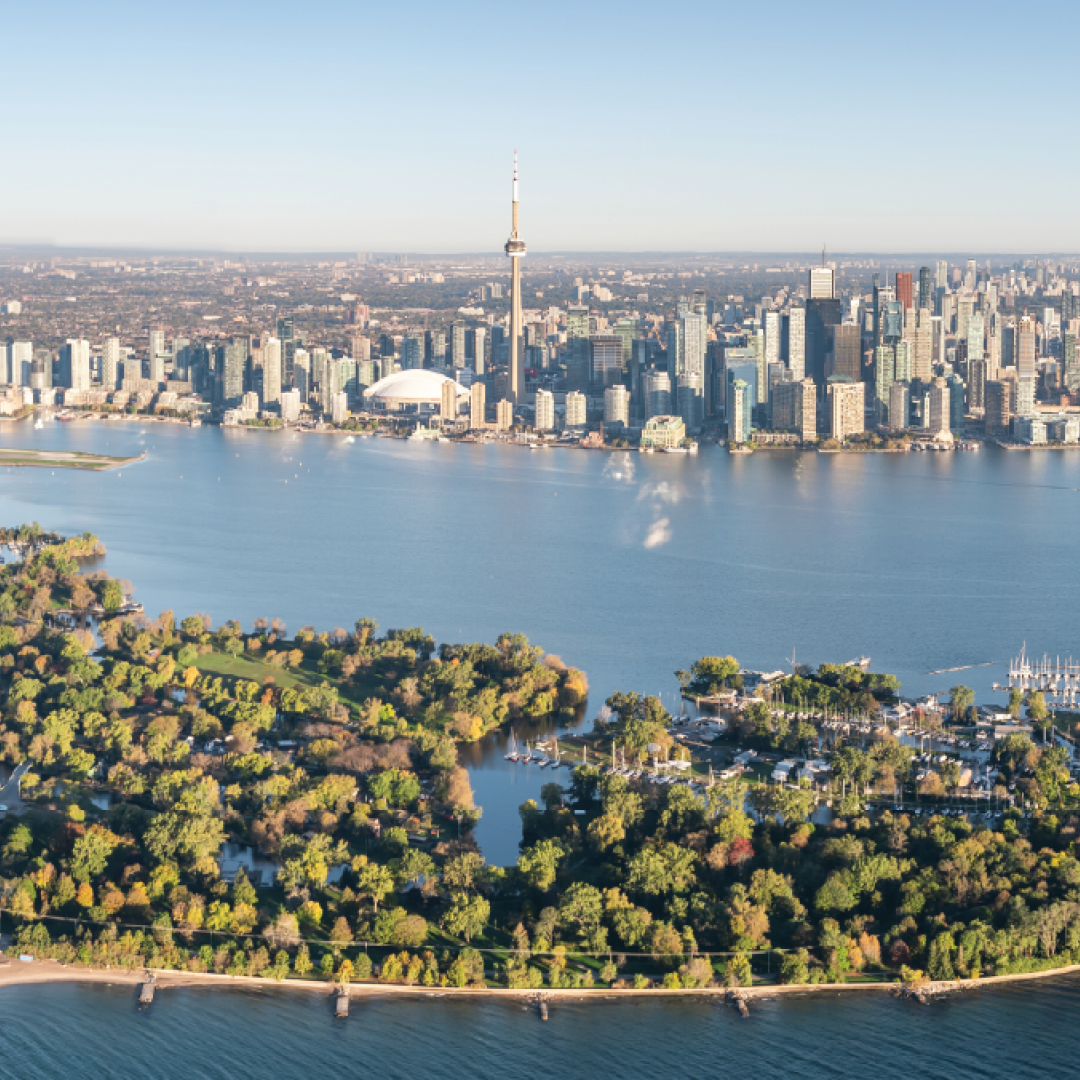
(539, 864)
(373, 880)
(467, 917)
(1016, 699)
(90, 853)
(961, 698)
(581, 907)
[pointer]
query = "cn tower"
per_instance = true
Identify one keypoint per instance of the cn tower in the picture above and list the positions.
(515, 248)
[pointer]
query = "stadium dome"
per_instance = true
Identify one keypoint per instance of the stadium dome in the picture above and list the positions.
(414, 389)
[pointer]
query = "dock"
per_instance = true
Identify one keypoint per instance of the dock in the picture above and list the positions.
(341, 1006)
(146, 992)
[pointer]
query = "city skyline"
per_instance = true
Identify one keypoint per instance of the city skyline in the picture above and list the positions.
(369, 158)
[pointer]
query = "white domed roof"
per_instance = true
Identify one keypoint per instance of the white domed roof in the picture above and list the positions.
(413, 385)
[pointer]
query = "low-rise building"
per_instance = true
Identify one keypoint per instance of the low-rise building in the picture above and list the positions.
(662, 432)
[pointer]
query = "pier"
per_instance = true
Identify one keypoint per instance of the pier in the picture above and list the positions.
(146, 991)
(341, 1005)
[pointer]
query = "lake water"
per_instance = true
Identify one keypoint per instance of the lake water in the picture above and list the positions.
(629, 566)
(1023, 1032)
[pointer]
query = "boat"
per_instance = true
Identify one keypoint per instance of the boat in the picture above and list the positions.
(512, 750)
(543, 763)
(862, 662)
(195, 422)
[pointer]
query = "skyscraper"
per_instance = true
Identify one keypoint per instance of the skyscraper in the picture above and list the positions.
(286, 333)
(477, 405)
(926, 292)
(821, 283)
(76, 363)
(110, 364)
(515, 248)
(905, 290)
(155, 354)
(797, 343)
(271, 370)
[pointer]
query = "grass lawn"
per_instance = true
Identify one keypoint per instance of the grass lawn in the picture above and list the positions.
(247, 667)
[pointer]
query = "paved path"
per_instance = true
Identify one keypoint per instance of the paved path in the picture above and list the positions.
(9, 793)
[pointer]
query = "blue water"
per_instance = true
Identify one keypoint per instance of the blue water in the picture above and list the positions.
(1024, 1032)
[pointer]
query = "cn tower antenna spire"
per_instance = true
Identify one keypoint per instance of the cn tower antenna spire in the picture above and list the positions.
(515, 249)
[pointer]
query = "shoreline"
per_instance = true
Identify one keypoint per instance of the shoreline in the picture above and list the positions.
(15, 973)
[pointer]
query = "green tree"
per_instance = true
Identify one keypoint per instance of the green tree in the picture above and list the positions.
(539, 864)
(467, 916)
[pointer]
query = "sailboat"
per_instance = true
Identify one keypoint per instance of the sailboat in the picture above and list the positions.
(527, 756)
(512, 750)
(556, 762)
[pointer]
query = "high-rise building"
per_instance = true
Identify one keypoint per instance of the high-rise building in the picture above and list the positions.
(738, 366)
(821, 313)
(448, 407)
(606, 359)
(657, 394)
(616, 406)
(545, 410)
(884, 378)
(847, 409)
(821, 283)
(940, 410)
(740, 410)
(22, 356)
(921, 350)
(233, 361)
(577, 347)
(576, 409)
(286, 334)
(75, 362)
(479, 347)
(181, 356)
(795, 408)
(361, 347)
(290, 406)
(156, 356)
(504, 415)
(904, 290)
(772, 338)
(271, 384)
(691, 394)
(846, 352)
(796, 358)
(941, 274)
(1025, 348)
(457, 343)
(956, 402)
(515, 249)
(477, 405)
(899, 408)
(998, 407)
(926, 289)
(339, 407)
(412, 351)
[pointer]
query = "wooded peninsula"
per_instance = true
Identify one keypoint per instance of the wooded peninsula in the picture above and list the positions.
(141, 748)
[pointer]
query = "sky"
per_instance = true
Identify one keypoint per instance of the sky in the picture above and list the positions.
(692, 126)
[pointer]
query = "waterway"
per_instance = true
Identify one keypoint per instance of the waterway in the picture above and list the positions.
(629, 566)
(1021, 1031)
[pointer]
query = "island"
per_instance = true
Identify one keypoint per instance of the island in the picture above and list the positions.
(64, 459)
(224, 804)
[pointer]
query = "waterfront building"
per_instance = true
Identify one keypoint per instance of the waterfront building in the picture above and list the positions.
(1025, 349)
(545, 410)
(1031, 430)
(448, 396)
(504, 415)
(515, 249)
(691, 394)
(884, 377)
(290, 406)
(940, 411)
(616, 407)
(414, 391)
(737, 365)
(271, 371)
(657, 394)
(956, 402)
(1064, 429)
(998, 407)
(477, 406)
(773, 342)
(286, 334)
(847, 409)
(22, 356)
(233, 359)
(1025, 396)
(661, 432)
(576, 409)
(339, 407)
(795, 408)
(739, 410)
(899, 406)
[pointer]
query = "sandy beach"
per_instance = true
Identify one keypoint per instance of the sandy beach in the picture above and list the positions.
(14, 972)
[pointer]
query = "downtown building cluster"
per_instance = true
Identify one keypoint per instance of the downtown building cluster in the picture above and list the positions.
(834, 351)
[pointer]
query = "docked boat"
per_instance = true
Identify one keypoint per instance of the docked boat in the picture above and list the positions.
(512, 750)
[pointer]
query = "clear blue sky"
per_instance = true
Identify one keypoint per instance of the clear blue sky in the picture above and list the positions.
(705, 126)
